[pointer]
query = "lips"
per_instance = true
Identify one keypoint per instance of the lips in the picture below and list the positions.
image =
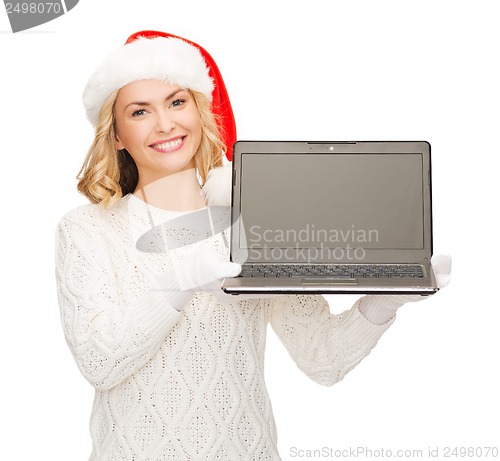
(167, 145)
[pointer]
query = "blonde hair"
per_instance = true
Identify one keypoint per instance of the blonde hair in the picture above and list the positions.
(107, 174)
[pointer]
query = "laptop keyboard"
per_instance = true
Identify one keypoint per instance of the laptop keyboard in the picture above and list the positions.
(333, 270)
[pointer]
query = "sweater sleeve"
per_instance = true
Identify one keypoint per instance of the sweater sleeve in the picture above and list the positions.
(324, 346)
(109, 337)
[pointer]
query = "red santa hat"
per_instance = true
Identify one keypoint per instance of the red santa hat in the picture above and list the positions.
(152, 55)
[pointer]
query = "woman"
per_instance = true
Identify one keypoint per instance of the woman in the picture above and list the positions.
(178, 369)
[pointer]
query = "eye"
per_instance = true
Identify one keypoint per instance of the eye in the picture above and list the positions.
(177, 103)
(138, 112)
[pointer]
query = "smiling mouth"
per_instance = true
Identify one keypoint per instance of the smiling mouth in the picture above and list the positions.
(168, 145)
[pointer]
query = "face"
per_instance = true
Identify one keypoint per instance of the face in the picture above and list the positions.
(159, 125)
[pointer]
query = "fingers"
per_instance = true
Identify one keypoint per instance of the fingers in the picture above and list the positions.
(209, 267)
(227, 269)
(441, 265)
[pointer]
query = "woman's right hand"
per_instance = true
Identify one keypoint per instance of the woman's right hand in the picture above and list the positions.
(196, 269)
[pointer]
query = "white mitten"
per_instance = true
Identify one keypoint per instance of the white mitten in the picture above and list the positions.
(380, 309)
(199, 269)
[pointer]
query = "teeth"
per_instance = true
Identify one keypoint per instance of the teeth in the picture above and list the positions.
(168, 145)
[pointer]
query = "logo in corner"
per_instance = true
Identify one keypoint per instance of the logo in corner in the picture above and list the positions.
(25, 15)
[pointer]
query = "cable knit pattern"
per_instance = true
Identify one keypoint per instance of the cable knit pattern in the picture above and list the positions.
(183, 385)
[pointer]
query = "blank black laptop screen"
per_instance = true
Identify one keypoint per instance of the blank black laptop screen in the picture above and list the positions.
(370, 201)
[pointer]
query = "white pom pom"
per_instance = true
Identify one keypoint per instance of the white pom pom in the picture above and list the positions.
(217, 188)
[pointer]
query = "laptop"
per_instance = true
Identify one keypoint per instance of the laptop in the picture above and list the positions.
(332, 217)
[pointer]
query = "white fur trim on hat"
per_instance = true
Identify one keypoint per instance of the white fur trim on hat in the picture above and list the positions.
(217, 188)
(169, 59)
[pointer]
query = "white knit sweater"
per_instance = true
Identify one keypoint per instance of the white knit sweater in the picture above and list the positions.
(184, 385)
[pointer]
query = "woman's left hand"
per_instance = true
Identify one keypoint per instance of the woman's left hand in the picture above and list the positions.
(380, 309)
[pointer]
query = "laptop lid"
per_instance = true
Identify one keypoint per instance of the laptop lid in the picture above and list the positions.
(331, 202)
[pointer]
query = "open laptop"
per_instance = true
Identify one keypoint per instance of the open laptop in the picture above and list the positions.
(332, 217)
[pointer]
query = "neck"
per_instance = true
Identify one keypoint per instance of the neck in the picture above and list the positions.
(178, 192)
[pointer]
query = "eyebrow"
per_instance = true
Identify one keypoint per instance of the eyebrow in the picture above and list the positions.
(146, 103)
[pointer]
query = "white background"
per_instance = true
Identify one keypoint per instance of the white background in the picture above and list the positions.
(331, 70)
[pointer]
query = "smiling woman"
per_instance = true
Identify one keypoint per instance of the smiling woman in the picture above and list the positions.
(177, 367)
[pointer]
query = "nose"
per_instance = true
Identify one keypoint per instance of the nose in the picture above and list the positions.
(164, 122)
